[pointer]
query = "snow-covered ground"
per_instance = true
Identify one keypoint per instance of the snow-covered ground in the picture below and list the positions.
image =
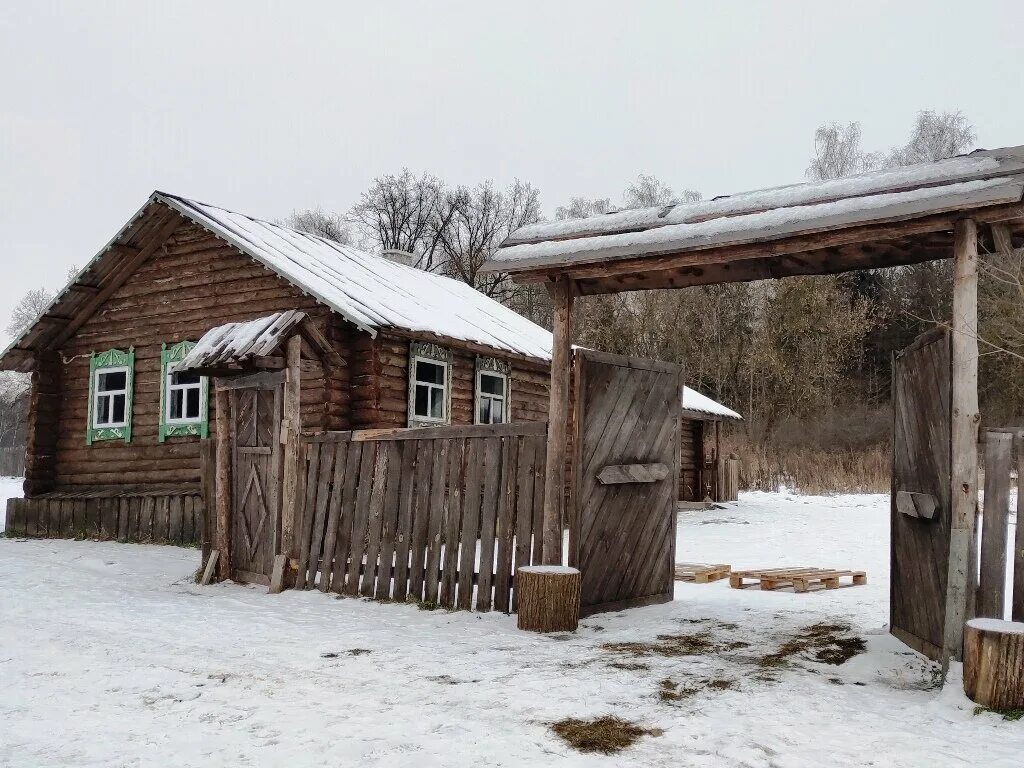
(111, 655)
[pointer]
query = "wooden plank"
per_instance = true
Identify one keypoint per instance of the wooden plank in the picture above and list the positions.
(308, 515)
(389, 522)
(13, 517)
(147, 511)
(277, 574)
(613, 474)
(436, 521)
(222, 528)
(425, 454)
(264, 380)
(470, 524)
(175, 513)
(208, 486)
(360, 517)
(527, 473)
(334, 513)
(108, 519)
(403, 532)
(1017, 608)
(210, 569)
(447, 432)
(992, 579)
(375, 523)
(492, 490)
(964, 442)
(318, 560)
(506, 523)
(189, 529)
(453, 523)
(559, 413)
(291, 429)
(537, 525)
(123, 519)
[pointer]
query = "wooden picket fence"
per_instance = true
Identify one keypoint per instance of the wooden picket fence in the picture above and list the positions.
(165, 517)
(441, 516)
(995, 526)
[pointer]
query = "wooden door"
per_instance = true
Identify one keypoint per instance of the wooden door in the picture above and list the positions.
(922, 401)
(625, 476)
(256, 472)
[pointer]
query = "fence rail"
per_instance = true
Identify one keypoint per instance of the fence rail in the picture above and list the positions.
(1000, 558)
(12, 461)
(442, 515)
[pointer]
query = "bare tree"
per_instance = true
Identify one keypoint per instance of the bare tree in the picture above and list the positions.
(936, 136)
(837, 151)
(581, 207)
(405, 213)
(650, 191)
(14, 392)
(27, 310)
(481, 218)
(316, 221)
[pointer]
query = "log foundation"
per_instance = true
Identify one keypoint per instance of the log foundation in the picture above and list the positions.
(549, 598)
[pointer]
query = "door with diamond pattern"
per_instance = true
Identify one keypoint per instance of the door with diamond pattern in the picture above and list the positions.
(256, 438)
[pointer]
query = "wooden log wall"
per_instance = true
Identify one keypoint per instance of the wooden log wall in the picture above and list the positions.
(192, 283)
(45, 424)
(441, 516)
(691, 459)
(171, 518)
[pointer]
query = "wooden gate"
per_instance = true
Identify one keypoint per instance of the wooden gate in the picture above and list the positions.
(922, 402)
(256, 472)
(625, 476)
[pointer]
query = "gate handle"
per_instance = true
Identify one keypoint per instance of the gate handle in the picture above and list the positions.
(613, 474)
(914, 504)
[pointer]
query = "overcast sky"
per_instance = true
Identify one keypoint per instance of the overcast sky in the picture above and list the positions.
(268, 107)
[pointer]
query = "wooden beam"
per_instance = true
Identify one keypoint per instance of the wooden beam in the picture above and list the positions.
(223, 482)
(122, 272)
(964, 439)
(558, 421)
(291, 436)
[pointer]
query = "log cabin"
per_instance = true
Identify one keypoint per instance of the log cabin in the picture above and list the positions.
(122, 359)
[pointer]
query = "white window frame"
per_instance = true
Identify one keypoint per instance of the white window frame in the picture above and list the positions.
(110, 393)
(480, 395)
(416, 383)
(169, 387)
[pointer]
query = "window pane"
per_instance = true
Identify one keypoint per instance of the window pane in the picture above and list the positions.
(437, 403)
(422, 395)
(176, 398)
(117, 410)
(485, 411)
(103, 410)
(112, 380)
(429, 372)
(185, 378)
(492, 385)
(498, 408)
(192, 403)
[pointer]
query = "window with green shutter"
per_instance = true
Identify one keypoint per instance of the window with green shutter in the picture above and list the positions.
(111, 377)
(184, 397)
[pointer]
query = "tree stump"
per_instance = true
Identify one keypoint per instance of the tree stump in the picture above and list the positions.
(549, 598)
(994, 663)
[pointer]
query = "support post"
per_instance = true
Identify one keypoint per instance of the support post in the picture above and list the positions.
(558, 418)
(43, 420)
(291, 433)
(223, 482)
(961, 574)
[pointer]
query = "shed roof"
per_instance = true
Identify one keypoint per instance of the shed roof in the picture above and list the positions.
(702, 405)
(723, 239)
(235, 343)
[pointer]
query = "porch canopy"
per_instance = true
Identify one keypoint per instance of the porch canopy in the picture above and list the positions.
(883, 219)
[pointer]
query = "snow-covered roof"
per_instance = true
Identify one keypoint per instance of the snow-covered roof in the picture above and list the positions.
(695, 402)
(371, 291)
(234, 343)
(983, 178)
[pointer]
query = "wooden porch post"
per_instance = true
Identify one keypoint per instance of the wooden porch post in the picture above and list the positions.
(291, 427)
(558, 417)
(964, 448)
(223, 483)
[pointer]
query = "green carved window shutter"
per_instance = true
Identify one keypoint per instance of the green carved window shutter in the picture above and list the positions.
(198, 427)
(111, 386)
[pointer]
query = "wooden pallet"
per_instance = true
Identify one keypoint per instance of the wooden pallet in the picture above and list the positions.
(701, 573)
(800, 579)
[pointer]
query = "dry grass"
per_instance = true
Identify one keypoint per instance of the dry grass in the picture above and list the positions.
(815, 470)
(670, 691)
(606, 735)
(670, 646)
(827, 643)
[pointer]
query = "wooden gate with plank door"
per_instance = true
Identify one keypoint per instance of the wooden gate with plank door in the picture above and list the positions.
(625, 476)
(256, 474)
(921, 486)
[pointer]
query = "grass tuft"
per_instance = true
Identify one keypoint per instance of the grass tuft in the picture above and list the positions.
(825, 640)
(607, 735)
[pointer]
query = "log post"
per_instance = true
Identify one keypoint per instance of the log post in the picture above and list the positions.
(964, 438)
(996, 511)
(558, 419)
(1018, 541)
(208, 489)
(223, 483)
(549, 598)
(994, 663)
(291, 436)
